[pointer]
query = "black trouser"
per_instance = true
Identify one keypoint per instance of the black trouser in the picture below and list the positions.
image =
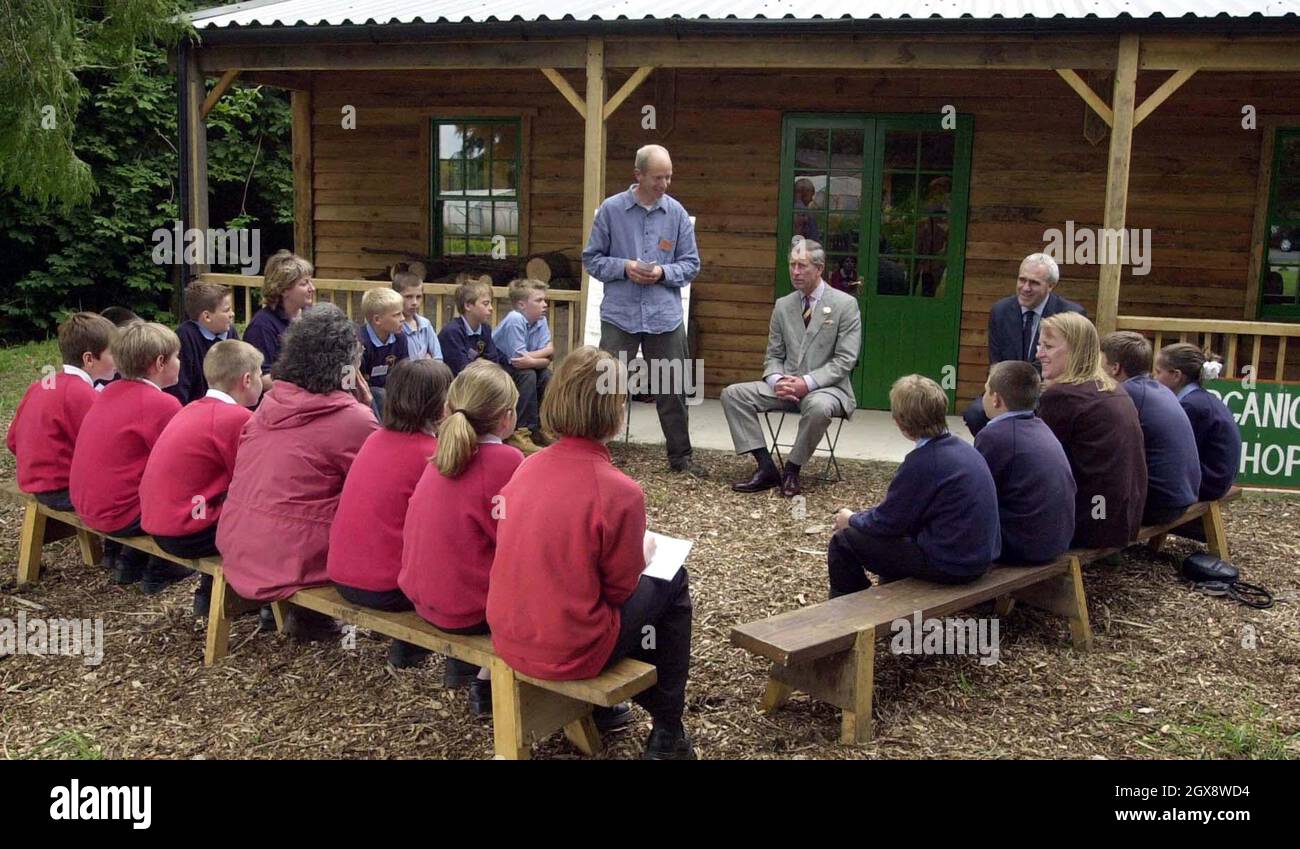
(393, 601)
(655, 627)
(1156, 515)
(192, 547)
(662, 347)
(120, 552)
(853, 553)
(531, 383)
(56, 499)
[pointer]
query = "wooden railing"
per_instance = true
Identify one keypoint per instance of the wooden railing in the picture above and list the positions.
(439, 306)
(1240, 343)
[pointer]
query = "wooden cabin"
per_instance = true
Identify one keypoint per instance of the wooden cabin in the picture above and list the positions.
(928, 153)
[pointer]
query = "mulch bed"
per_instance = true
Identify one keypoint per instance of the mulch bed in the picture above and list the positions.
(1173, 673)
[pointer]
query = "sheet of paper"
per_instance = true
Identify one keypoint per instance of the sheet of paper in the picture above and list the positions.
(670, 555)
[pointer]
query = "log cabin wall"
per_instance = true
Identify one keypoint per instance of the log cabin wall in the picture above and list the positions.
(1193, 180)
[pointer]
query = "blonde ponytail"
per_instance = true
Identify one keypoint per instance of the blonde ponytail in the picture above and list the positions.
(477, 399)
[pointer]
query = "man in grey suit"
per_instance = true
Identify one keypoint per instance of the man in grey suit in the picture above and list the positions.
(812, 346)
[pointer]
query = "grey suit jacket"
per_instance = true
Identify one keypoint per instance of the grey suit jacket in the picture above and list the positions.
(827, 348)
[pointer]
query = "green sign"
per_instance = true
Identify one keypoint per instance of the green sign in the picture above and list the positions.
(1268, 416)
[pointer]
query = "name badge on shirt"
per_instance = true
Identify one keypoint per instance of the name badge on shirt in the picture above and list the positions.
(379, 371)
(665, 245)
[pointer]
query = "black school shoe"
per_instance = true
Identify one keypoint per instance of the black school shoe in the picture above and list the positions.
(458, 673)
(480, 697)
(128, 566)
(403, 655)
(203, 596)
(614, 718)
(665, 745)
(159, 574)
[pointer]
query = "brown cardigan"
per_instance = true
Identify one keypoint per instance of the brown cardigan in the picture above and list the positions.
(1102, 437)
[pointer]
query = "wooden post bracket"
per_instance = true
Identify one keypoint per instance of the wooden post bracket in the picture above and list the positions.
(571, 95)
(227, 79)
(1157, 97)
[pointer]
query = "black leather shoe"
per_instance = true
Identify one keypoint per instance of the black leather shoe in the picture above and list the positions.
(790, 484)
(614, 718)
(480, 697)
(127, 569)
(763, 479)
(458, 673)
(689, 467)
(664, 745)
(160, 574)
(403, 655)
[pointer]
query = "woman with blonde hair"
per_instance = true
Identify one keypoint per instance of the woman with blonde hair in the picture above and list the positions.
(287, 289)
(1097, 425)
(568, 596)
(449, 536)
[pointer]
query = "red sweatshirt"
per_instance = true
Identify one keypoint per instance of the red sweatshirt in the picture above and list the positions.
(451, 534)
(116, 437)
(44, 430)
(193, 458)
(565, 565)
(366, 537)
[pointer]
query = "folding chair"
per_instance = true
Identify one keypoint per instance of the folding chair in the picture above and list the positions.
(827, 447)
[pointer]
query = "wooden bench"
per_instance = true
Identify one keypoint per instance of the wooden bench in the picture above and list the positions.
(828, 650)
(525, 710)
(43, 525)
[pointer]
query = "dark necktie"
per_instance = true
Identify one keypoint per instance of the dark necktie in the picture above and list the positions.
(807, 310)
(1027, 337)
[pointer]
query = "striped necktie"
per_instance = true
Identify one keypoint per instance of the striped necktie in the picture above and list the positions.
(807, 310)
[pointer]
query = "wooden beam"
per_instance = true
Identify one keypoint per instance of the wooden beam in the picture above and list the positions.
(1242, 53)
(557, 79)
(593, 165)
(1161, 94)
(195, 203)
(457, 55)
(289, 80)
(625, 91)
(303, 206)
(219, 89)
(1011, 53)
(1089, 96)
(1123, 103)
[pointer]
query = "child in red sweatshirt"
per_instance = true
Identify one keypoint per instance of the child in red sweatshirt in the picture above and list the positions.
(568, 596)
(365, 547)
(114, 444)
(451, 523)
(44, 430)
(190, 467)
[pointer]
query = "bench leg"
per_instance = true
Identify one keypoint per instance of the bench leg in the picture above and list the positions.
(280, 610)
(218, 642)
(507, 716)
(1216, 537)
(1063, 595)
(29, 547)
(855, 724)
(776, 694)
(584, 735)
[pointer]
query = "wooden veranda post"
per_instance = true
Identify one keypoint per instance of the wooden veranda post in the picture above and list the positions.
(1123, 104)
(303, 229)
(593, 167)
(194, 149)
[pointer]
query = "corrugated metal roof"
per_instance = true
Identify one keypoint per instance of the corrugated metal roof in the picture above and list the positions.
(342, 12)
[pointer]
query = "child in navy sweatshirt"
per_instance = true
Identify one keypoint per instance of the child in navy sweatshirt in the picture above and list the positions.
(1173, 466)
(1035, 485)
(468, 337)
(211, 314)
(939, 519)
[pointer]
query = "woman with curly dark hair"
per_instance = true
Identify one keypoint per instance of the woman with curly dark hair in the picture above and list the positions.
(294, 454)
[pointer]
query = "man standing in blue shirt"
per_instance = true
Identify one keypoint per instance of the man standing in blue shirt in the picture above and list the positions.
(642, 247)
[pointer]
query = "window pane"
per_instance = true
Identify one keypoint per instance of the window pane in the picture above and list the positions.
(505, 177)
(932, 236)
(845, 191)
(900, 150)
(937, 194)
(811, 148)
(1281, 284)
(842, 233)
(1286, 203)
(844, 273)
(453, 227)
(930, 277)
(937, 151)
(449, 141)
(478, 137)
(1283, 243)
(505, 219)
(846, 149)
(1288, 166)
(898, 212)
(808, 203)
(892, 277)
(505, 155)
(451, 176)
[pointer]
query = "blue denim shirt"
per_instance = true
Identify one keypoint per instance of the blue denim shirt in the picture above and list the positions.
(515, 336)
(625, 230)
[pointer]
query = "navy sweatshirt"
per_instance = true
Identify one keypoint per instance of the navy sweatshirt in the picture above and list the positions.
(192, 385)
(459, 348)
(1173, 466)
(1035, 487)
(1218, 442)
(943, 498)
(377, 360)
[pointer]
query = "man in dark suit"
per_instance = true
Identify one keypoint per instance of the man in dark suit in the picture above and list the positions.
(1014, 321)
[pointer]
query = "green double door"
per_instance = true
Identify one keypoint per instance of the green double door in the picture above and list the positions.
(886, 196)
